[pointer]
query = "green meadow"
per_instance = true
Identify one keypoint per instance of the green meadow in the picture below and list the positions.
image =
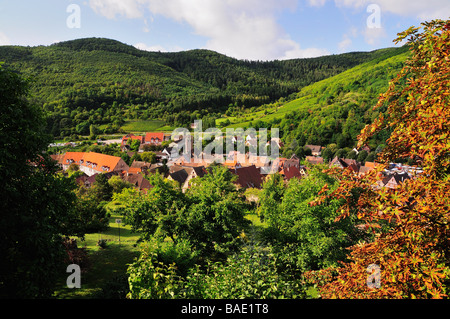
(106, 266)
(146, 126)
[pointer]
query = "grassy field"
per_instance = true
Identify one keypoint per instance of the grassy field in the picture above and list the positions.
(109, 265)
(105, 264)
(146, 126)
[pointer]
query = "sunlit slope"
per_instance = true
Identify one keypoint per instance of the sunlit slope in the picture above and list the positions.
(357, 87)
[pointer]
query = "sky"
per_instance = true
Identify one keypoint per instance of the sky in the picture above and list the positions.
(251, 29)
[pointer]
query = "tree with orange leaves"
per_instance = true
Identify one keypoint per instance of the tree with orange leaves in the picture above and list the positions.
(411, 245)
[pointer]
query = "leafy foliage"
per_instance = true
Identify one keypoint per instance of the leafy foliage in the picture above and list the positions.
(251, 274)
(413, 252)
(215, 218)
(91, 215)
(156, 213)
(305, 237)
(35, 203)
(152, 279)
(210, 216)
(91, 86)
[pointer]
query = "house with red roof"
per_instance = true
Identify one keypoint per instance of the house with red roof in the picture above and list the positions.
(138, 181)
(316, 150)
(183, 175)
(314, 160)
(92, 163)
(132, 137)
(292, 172)
(248, 177)
(154, 138)
(71, 158)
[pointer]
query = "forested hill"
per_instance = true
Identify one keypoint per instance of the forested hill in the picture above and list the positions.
(331, 112)
(103, 82)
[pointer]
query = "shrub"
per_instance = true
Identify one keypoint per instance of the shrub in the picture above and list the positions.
(102, 243)
(75, 255)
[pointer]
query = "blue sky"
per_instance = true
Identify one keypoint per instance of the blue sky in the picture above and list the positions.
(251, 29)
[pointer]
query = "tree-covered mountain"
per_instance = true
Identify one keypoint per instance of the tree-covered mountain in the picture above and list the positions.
(104, 82)
(331, 111)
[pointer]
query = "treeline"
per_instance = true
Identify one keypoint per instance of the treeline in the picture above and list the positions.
(104, 82)
(333, 112)
(201, 244)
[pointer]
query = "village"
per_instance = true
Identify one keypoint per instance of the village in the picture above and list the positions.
(250, 169)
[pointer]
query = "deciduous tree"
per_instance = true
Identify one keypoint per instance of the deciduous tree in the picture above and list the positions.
(412, 253)
(35, 203)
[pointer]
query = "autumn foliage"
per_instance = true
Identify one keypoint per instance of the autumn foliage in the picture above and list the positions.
(410, 224)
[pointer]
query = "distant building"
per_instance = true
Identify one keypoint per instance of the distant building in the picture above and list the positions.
(90, 180)
(393, 180)
(143, 167)
(293, 161)
(132, 137)
(183, 174)
(292, 172)
(316, 150)
(248, 177)
(154, 138)
(59, 159)
(345, 163)
(71, 158)
(151, 138)
(138, 181)
(314, 160)
(92, 163)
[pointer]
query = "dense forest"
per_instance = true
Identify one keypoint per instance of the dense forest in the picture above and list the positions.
(332, 112)
(330, 234)
(103, 82)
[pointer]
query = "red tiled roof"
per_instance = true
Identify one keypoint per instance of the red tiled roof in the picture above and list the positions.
(132, 137)
(371, 164)
(249, 176)
(291, 172)
(139, 181)
(314, 160)
(134, 170)
(100, 162)
(154, 136)
(59, 158)
(72, 157)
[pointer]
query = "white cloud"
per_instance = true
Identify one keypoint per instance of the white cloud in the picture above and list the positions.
(112, 8)
(241, 29)
(345, 43)
(298, 53)
(146, 27)
(4, 40)
(145, 47)
(424, 10)
(316, 3)
(373, 35)
(155, 48)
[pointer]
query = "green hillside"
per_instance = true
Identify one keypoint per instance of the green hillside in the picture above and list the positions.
(110, 85)
(333, 110)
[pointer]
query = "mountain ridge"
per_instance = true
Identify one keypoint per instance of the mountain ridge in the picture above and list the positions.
(104, 82)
